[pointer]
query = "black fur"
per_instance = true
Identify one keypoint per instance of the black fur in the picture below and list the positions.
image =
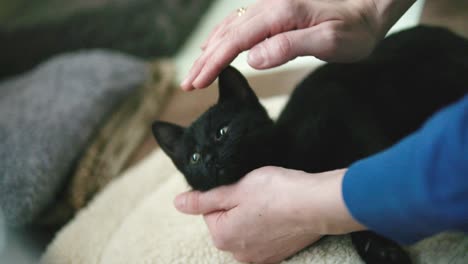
(339, 114)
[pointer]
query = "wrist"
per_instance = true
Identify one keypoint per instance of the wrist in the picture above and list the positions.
(340, 218)
(326, 205)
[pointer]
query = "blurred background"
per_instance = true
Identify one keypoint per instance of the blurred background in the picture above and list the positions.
(32, 31)
(55, 58)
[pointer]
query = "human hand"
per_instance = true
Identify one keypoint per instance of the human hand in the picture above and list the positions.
(277, 31)
(272, 212)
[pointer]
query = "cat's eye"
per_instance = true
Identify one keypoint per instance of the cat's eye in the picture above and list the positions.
(221, 132)
(195, 158)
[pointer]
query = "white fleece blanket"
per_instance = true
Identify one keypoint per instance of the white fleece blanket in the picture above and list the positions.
(133, 221)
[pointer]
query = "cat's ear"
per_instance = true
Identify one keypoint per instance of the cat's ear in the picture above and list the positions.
(169, 137)
(233, 85)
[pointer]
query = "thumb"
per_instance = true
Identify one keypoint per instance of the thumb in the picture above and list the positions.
(286, 46)
(195, 202)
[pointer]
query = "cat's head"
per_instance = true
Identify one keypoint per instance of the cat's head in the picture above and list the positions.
(227, 141)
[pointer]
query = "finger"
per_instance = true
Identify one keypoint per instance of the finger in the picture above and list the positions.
(186, 84)
(219, 54)
(321, 41)
(282, 48)
(233, 21)
(194, 71)
(219, 28)
(220, 38)
(239, 35)
(212, 68)
(196, 202)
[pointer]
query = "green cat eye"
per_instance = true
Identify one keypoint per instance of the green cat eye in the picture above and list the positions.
(195, 158)
(221, 132)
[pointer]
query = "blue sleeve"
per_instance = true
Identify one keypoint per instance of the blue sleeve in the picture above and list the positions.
(418, 187)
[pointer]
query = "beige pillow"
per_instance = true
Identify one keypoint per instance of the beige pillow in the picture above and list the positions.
(133, 220)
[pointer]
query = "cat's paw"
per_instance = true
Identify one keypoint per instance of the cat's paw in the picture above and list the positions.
(374, 249)
(390, 255)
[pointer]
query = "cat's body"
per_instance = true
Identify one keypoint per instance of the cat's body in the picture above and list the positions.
(337, 115)
(356, 110)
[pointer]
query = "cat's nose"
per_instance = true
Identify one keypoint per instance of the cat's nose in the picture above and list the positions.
(208, 157)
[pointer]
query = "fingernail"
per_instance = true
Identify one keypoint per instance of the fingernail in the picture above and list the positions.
(185, 84)
(180, 201)
(196, 84)
(255, 57)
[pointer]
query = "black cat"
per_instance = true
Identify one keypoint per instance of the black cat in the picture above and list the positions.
(339, 114)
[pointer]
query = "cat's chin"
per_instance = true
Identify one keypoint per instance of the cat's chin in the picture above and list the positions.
(221, 180)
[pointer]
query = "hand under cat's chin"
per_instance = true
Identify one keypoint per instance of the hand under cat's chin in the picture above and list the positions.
(284, 210)
(306, 197)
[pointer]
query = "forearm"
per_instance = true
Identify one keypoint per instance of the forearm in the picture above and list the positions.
(418, 187)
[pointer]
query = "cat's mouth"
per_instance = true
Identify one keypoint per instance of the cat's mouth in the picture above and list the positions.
(221, 172)
(221, 176)
(230, 174)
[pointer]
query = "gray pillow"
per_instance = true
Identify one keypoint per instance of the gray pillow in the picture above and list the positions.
(2, 232)
(47, 117)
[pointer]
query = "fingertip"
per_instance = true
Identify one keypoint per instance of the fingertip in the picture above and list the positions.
(180, 202)
(256, 58)
(186, 87)
(186, 84)
(197, 85)
(200, 83)
(206, 76)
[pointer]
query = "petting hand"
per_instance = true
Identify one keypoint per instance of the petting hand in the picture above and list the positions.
(277, 31)
(272, 212)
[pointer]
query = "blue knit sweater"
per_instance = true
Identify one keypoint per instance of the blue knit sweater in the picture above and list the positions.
(418, 187)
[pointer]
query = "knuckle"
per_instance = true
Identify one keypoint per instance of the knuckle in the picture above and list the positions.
(222, 32)
(288, 6)
(292, 10)
(283, 16)
(260, 176)
(256, 173)
(331, 36)
(284, 45)
(194, 201)
(331, 40)
(230, 42)
(197, 63)
(265, 170)
(233, 34)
